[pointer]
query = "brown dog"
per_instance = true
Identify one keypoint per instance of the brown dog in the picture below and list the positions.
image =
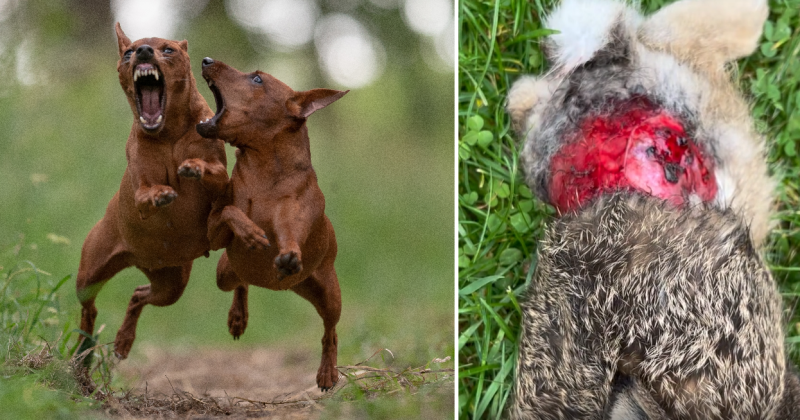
(158, 220)
(272, 217)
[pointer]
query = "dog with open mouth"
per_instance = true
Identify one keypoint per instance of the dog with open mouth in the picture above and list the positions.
(272, 219)
(158, 220)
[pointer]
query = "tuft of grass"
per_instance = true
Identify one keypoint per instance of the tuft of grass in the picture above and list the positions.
(500, 223)
(35, 360)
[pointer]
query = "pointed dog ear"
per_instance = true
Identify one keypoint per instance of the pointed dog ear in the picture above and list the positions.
(122, 41)
(706, 33)
(306, 103)
(184, 45)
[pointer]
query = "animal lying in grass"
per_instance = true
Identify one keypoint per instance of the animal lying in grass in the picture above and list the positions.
(649, 299)
(608, 61)
(158, 220)
(272, 219)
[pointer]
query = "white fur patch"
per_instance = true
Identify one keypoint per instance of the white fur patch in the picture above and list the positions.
(584, 27)
(726, 188)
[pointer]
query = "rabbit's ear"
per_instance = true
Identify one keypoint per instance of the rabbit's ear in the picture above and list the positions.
(706, 33)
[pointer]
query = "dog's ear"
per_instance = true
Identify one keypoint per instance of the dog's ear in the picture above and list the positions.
(184, 45)
(306, 103)
(706, 33)
(122, 41)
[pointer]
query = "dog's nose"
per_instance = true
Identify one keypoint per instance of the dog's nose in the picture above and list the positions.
(145, 52)
(207, 61)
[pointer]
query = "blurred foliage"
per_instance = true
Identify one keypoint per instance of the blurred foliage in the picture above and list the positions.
(499, 223)
(383, 155)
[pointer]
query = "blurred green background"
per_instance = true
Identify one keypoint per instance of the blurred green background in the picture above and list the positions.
(383, 156)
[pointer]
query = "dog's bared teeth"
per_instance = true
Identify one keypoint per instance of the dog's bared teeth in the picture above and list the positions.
(158, 120)
(142, 120)
(135, 75)
(155, 73)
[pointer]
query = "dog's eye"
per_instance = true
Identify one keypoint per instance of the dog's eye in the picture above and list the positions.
(257, 79)
(127, 55)
(168, 50)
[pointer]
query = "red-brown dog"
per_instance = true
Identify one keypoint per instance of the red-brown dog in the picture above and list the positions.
(272, 216)
(158, 220)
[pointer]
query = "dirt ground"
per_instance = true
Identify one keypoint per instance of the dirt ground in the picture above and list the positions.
(209, 383)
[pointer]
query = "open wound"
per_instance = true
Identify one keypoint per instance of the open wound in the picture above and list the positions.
(637, 146)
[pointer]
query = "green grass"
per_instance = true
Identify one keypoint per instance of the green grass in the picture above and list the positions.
(499, 221)
(35, 375)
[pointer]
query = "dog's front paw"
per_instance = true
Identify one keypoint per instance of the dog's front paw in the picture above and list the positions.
(288, 264)
(191, 168)
(162, 196)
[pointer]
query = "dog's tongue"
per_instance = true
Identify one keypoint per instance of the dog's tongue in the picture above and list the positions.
(637, 147)
(151, 102)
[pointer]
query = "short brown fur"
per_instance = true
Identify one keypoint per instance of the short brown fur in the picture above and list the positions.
(272, 218)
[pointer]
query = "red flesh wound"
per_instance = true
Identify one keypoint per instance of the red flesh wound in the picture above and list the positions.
(638, 147)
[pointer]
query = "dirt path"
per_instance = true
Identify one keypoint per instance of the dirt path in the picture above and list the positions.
(234, 384)
(219, 382)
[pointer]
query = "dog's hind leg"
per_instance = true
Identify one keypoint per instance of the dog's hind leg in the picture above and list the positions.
(166, 286)
(322, 290)
(237, 316)
(102, 256)
(227, 280)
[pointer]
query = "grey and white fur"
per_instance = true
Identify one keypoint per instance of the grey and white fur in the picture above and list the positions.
(641, 310)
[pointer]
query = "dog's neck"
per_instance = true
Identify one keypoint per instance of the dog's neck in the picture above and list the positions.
(276, 155)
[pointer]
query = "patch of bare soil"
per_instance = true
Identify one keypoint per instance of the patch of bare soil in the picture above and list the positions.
(235, 384)
(206, 383)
